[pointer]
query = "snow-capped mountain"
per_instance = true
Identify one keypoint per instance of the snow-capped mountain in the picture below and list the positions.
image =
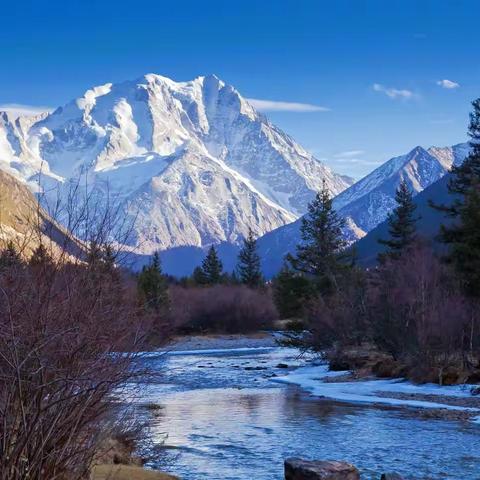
(367, 203)
(192, 162)
(427, 225)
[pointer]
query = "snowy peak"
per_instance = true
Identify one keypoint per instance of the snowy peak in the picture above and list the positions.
(367, 203)
(194, 158)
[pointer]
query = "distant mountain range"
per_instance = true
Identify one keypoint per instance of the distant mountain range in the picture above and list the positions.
(190, 164)
(366, 203)
(428, 224)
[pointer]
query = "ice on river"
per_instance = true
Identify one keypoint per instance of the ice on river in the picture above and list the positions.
(313, 379)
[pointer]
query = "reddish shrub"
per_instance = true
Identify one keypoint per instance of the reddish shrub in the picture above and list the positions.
(221, 308)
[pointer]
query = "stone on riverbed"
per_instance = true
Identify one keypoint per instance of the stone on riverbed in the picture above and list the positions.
(298, 469)
(391, 476)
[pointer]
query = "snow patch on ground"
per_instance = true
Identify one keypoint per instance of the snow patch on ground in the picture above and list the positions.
(312, 379)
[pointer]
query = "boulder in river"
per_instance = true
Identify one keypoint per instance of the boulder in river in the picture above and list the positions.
(298, 469)
(391, 476)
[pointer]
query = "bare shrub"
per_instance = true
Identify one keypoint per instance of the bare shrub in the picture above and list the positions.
(222, 308)
(70, 332)
(417, 308)
(339, 318)
(411, 308)
(60, 334)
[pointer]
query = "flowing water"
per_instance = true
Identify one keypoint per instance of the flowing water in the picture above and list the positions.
(221, 416)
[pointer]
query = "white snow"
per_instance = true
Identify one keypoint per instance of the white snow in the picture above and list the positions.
(375, 193)
(311, 379)
(192, 161)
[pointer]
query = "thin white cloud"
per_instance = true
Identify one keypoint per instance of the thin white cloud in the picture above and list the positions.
(442, 121)
(19, 110)
(349, 154)
(394, 93)
(448, 84)
(278, 106)
(355, 161)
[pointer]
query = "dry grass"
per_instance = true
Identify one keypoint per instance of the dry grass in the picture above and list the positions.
(127, 472)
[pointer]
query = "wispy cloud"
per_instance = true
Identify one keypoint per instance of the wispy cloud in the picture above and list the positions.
(394, 93)
(349, 154)
(278, 106)
(354, 161)
(442, 121)
(20, 110)
(448, 84)
(353, 157)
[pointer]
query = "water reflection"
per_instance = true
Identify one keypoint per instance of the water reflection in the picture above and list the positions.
(232, 423)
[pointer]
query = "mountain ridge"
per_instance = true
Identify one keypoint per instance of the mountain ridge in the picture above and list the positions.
(367, 203)
(194, 160)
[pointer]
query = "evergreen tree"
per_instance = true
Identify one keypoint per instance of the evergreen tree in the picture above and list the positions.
(40, 257)
(9, 256)
(248, 267)
(463, 234)
(108, 263)
(234, 278)
(152, 285)
(198, 276)
(401, 221)
(291, 291)
(212, 267)
(465, 243)
(101, 262)
(322, 254)
(94, 252)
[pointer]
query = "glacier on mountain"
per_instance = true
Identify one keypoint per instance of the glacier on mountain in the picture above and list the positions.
(191, 163)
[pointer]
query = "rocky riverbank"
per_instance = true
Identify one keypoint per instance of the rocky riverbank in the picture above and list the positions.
(117, 460)
(366, 360)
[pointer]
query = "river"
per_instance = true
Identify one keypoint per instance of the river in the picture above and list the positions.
(221, 414)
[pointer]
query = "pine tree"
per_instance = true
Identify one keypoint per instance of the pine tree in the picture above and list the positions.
(212, 267)
(401, 221)
(198, 276)
(94, 255)
(152, 286)
(9, 256)
(291, 291)
(463, 234)
(40, 257)
(248, 267)
(465, 248)
(322, 254)
(108, 263)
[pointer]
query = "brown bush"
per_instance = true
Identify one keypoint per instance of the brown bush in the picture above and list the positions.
(61, 330)
(221, 308)
(417, 309)
(411, 308)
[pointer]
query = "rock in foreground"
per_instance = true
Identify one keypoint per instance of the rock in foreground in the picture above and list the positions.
(298, 469)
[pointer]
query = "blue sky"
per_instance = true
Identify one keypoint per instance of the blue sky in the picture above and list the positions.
(375, 68)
